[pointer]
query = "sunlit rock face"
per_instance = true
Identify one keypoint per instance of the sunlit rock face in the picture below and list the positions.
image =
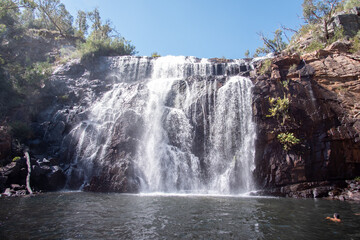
(169, 124)
(189, 125)
(322, 88)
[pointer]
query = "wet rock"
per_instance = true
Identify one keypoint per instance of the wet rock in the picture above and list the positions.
(5, 144)
(8, 192)
(47, 178)
(56, 179)
(119, 178)
(55, 131)
(17, 187)
(21, 192)
(72, 68)
(3, 180)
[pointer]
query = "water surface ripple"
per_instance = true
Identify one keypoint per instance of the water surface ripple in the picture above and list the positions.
(78, 215)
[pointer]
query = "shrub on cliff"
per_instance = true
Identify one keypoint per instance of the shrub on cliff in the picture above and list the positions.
(155, 55)
(105, 47)
(288, 140)
(279, 107)
(102, 41)
(274, 45)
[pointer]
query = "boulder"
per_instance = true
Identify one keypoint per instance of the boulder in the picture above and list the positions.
(56, 179)
(349, 22)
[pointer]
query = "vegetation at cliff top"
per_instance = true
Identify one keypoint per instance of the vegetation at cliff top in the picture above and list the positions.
(318, 16)
(155, 55)
(23, 72)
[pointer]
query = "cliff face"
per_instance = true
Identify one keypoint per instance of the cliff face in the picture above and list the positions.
(324, 92)
(323, 113)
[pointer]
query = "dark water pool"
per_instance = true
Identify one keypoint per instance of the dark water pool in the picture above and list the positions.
(116, 216)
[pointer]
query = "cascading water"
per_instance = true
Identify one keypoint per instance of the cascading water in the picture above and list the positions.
(183, 125)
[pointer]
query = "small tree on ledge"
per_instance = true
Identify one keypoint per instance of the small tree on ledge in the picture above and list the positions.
(320, 11)
(275, 45)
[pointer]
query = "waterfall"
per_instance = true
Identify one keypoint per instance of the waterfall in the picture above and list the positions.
(183, 124)
(232, 135)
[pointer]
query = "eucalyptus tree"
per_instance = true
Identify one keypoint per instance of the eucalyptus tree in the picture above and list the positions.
(81, 23)
(53, 15)
(320, 12)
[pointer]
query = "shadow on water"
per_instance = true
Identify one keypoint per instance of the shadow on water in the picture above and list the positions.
(78, 215)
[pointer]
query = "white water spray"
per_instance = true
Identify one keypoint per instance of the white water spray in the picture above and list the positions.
(197, 132)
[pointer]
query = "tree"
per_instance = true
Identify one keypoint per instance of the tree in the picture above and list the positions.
(101, 41)
(6, 5)
(95, 18)
(81, 23)
(320, 11)
(247, 53)
(27, 18)
(54, 16)
(274, 45)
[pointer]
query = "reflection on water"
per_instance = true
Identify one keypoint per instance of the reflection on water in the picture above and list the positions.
(117, 216)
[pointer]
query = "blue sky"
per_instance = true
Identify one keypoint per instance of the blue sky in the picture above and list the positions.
(200, 28)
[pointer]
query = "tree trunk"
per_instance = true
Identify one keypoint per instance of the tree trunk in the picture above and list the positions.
(28, 187)
(326, 30)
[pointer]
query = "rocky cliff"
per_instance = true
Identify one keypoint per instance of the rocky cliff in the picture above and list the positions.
(323, 113)
(323, 91)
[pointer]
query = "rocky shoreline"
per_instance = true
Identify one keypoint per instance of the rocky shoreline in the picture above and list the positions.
(46, 176)
(343, 190)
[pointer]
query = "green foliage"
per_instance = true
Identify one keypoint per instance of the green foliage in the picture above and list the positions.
(155, 55)
(100, 41)
(15, 5)
(81, 24)
(274, 45)
(279, 107)
(320, 11)
(349, 4)
(21, 78)
(285, 84)
(37, 73)
(293, 68)
(315, 45)
(265, 66)
(15, 159)
(247, 53)
(52, 15)
(63, 98)
(95, 19)
(338, 34)
(357, 179)
(20, 130)
(314, 11)
(305, 29)
(288, 140)
(105, 47)
(355, 47)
